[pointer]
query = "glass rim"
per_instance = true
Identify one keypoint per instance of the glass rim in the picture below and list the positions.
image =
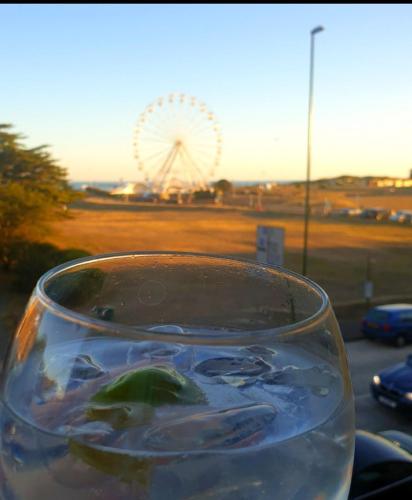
(134, 332)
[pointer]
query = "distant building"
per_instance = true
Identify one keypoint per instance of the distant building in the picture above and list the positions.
(342, 181)
(349, 181)
(392, 182)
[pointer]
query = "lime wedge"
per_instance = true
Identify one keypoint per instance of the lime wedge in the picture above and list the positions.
(154, 385)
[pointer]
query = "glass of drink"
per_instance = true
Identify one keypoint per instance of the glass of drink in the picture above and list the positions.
(176, 376)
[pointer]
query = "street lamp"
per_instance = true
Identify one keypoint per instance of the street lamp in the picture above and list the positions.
(316, 30)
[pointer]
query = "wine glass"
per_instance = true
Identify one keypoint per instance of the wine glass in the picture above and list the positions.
(176, 376)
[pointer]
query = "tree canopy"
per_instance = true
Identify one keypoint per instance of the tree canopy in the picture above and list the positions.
(33, 191)
(223, 185)
(33, 168)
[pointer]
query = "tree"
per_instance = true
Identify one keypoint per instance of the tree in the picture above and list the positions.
(33, 192)
(223, 186)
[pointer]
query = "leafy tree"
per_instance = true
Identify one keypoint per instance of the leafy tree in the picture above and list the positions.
(33, 191)
(224, 186)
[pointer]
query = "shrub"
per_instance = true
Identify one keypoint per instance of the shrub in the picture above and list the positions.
(72, 254)
(32, 260)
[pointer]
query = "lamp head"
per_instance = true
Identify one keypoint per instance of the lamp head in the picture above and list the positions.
(318, 29)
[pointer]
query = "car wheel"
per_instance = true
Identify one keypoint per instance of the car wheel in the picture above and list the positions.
(400, 341)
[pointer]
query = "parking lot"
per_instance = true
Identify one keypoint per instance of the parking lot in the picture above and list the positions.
(367, 358)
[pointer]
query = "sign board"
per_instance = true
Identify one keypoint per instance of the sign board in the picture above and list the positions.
(368, 289)
(270, 245)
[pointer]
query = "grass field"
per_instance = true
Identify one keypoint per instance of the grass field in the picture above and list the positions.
(291, 198)
(338, 249)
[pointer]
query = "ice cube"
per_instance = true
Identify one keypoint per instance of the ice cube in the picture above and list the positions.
(261, 351)
(238, 381)
(165, 352)
(151, 350)
(45, 388)
(65, 371)
(233, 366)
(84, 367)
(218, 429)
(317, 378)
(161, 350)
(121, 416)
(93, 430)
(133, 354)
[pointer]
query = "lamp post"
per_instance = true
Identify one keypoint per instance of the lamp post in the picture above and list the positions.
(316, 30)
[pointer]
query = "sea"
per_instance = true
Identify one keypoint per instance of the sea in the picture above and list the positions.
(108, 186)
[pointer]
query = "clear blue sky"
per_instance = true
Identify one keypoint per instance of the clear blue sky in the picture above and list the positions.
(78, 76)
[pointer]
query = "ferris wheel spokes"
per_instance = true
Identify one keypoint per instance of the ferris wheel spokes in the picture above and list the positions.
(177, 144)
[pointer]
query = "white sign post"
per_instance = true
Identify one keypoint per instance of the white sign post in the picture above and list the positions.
(368, 290)
(270, 245)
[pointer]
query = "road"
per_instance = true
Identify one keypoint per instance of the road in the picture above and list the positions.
(366, 359)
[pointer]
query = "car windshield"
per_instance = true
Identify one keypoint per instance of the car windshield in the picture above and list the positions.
(377, 315)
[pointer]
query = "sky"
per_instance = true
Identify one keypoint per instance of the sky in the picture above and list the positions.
(77, 77)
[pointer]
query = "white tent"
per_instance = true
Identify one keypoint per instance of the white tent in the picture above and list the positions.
(130, 188)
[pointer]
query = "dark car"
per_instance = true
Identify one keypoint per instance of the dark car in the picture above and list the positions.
(376, 213)
(391, 322)
(381, 468)
(347, 212)
(393, 387)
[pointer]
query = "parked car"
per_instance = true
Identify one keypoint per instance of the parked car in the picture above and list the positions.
(407, 219)
(381, 468)
(402, 216)
(348, 212)
(393, 386)
(376, 213)
(392, 322)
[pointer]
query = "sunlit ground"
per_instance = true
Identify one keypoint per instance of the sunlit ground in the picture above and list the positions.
(337, 248)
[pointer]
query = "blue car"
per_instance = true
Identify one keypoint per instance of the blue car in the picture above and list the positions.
(391, 322)
(393, 387)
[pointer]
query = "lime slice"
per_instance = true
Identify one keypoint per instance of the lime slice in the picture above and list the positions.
(154, 385)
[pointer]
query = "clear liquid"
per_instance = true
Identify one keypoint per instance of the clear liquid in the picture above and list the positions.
(274, 424)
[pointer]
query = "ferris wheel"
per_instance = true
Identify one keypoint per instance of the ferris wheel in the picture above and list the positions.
(177, 144)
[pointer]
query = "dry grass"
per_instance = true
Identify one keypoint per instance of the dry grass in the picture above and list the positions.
(291, 199)
(337, 248)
